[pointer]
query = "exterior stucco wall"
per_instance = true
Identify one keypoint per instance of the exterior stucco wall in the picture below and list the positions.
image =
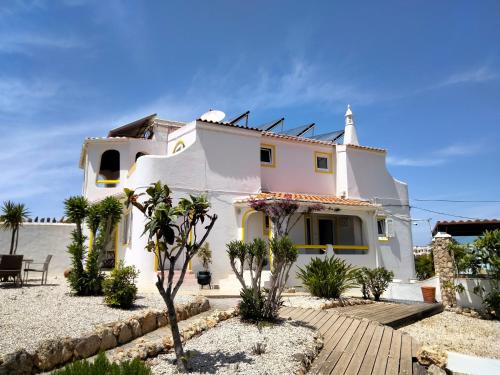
(37, 240)
(367, 177)
(294, 169)
(128, 148)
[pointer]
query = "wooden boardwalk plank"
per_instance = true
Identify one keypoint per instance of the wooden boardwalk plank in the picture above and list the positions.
(360, 352)
(405, 367)
(383, 352)
(331, 342)
(356, 343)
(394, 353)
(341, 346)
(372, 352)
(345, 358)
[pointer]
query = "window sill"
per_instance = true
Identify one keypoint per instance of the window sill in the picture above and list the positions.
(383, 239)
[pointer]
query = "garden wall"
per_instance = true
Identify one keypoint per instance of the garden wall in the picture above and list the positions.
(411, 291)
(37, 240)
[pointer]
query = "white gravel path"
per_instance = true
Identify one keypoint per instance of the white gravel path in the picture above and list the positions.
(227, 349)
(35, 313)
(458, 333)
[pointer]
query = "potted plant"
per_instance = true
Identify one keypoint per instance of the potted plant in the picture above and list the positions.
(429, 294)
(205, 256)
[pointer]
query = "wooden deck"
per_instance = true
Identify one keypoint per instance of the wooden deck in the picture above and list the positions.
(391, 314)
(360, 343)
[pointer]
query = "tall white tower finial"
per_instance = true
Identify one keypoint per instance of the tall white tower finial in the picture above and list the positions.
(350, 136)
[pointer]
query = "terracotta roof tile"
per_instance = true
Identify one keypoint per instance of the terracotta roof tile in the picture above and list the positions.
(368, 148)
(312, 198)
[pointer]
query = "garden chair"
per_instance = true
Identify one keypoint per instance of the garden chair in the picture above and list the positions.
(11, 266)
(44, 269)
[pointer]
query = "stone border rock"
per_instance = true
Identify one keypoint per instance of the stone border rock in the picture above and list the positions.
(473, 313)
(147, 349)
(333, 303)
(53, 353)
(312, 352)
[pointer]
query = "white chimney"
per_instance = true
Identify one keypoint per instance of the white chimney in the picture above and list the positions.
(350, 136)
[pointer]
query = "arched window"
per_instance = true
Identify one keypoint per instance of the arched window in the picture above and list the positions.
(109, 170)
(178, 146)
(139, 154)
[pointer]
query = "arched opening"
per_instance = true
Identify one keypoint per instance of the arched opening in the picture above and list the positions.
(179, 146)
(139, 154)
(109, 170)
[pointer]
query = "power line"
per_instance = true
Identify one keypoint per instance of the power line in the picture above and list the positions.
(456, 200)
(444, 213)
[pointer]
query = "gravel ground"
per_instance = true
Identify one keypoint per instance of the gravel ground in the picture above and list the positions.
(228, 349)
(458, 333)
(35, 313)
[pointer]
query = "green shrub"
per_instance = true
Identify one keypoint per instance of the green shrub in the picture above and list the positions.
(377, 280)
(424, 266)
(252, 305)
(102, 366)
(119, 288)
(492, 300)
(328, 277)
(362, 280)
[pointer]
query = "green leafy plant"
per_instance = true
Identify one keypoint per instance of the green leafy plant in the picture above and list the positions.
(492, 300)
(12, 217)
(328, 277)
(252, 305)
(378, 280)
(76, 210)
(205, 256)
(102, 366)
(86, 277)
(252, 256)
(424, 266)
(362, 280)
(119, 288)
(168, 229)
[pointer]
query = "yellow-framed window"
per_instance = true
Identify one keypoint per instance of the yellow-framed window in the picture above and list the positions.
(268, 155)
(323, 162)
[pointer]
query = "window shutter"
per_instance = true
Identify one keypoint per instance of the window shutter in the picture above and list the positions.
(389, 223)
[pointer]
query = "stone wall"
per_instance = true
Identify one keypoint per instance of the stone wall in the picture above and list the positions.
(444, 266)
(54, 353)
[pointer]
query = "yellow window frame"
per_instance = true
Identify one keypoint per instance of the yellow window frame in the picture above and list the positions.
(328, 156)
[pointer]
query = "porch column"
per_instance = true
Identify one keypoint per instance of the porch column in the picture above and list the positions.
(444, 266)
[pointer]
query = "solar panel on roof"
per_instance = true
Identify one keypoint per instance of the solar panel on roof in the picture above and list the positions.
(328, 137)
(298, 131)
(271, 125)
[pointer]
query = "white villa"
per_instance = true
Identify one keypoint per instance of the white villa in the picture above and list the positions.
(364, 218)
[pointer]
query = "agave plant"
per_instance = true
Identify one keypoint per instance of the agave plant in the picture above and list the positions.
(328, 277)
(13, 215)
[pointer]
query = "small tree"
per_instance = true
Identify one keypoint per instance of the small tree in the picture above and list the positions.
(424, 266)
(13, 215)
(76, 210)
(167, 228)
(86, 277)
(205, 256)
(377, 280)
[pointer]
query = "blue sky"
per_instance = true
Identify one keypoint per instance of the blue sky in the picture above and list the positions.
(423, 79)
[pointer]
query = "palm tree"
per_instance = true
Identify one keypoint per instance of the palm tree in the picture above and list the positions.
(13, 215)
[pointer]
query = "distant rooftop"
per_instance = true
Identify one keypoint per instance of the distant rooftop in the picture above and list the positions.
(466, 227)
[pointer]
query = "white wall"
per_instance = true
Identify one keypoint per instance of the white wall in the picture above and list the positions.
(37, 240)
(295, 168)
(128, 149)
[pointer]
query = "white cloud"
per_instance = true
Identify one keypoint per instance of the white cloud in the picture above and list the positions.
(440, 156)
(25, 42)
(477, 75)
(414, 162)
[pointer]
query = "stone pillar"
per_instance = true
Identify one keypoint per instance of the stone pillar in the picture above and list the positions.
(444, 265)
